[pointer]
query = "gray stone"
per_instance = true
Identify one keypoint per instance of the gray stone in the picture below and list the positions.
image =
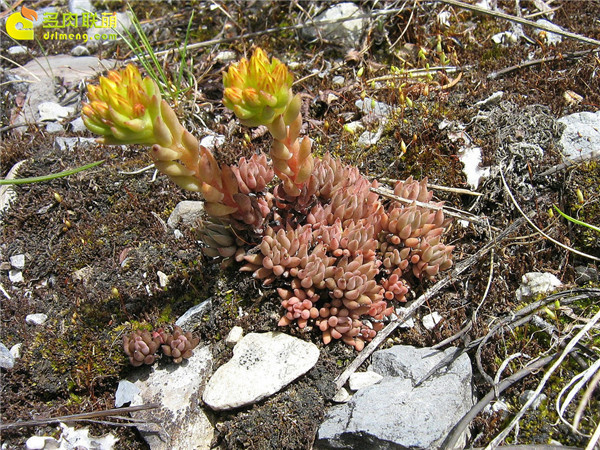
(80, 50)
(338, 80)
(550, 38)
(70, 144)
(528, 394)
(77, 125)
(586, 274)
(18, 261)
(368, 138)
(17, 50)
(126, 392)
(163, 278)
(7, 359)
(54, 127)
(53, 111)
(179, 422)
(15, 276)
(431, 320)
(535, 283)
(581, 136)
(341, 29)
(15, 350)
(396, 414)
(36, 319)
(193, 316)
(370, 106)
(360, 380)
(70, 68)
(187, 212)
(212, 141)
(262, 364)
(80, 6)
(226, 56)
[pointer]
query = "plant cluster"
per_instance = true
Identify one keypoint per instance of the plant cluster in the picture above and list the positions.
(339, 253)
(143, 346)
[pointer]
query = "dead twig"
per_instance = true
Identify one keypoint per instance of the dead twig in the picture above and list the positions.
(535, 62)
(458, 269)
(78, 417)
(520, 20)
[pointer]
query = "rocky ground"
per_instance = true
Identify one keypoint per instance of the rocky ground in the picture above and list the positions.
(421, 89)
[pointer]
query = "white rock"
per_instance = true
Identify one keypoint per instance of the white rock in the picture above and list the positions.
(338, 80)
(179, 422)
(71, 69)
(41, 443)
(80, 50)
(342, 396)
(126, 392)
(17, 50)
(234, 336)
(18, 261)
(346, 34)
(471, 158)
(535, 283)
(193, 316)
(15, 276)
(71, 439)
(54, 127)
(226, 56)
(354, 127)
(581, 135)
(261, 365)
(70, 144)
(370, 106)
(77, 125)
(410, 322)
(54, 111)
(491, 100)
(505, 38)
(359, 380)
(431, 320)
(550, 38)
(163, 278)
(7, 359)
(443, 18)
(36, 319)
(186, 212)
(212, 141)
(15, 350)
(368, 138)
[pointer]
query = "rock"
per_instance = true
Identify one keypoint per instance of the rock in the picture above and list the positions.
(443, 18)
(193, 316)
(492, 100)
(15, 350)
(77, 125)
(126, 392)
(506, 38)
(18, 261)
(70, 144)
(535, 283)
(36, 319)
(370, 106)
(179, 422)
(80, 50)
(586, 274)
(261, 365)
(431, 320)
(7, 359)
(338, 81)
(38, 93)
(17, 50)
(15, 276)
(163, 278)
(212, 141)
(343, 30)
(368, 138)
(53, 111)
(70, 68)
(471, 158)
(581, 135)
(396, 414)
(409, 323)
(342, 396)
(550, 38)
(41, 443)
(80, 6)
(359, 380)
(187, 212)
(54, 127)
(234, 336)
(226, 56)
(354, 127)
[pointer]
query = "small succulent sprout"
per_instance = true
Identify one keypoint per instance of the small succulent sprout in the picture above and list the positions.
(179, 345)
(257, 90)
(141, 347)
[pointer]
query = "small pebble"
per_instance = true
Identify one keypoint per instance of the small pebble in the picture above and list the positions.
(36, 319)
(18, 261)
(431, 320)
(7, 360)
(77, 125)
(338, 81)
(359, 380)
(17, 50)
(126, 392)
(15, 276)
(54, 127)
(15, 350)
(341, 396)
(234, 336)
(80, 50)
(163, 278)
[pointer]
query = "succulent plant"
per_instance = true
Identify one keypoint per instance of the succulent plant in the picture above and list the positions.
(338, 254)
(142, 346)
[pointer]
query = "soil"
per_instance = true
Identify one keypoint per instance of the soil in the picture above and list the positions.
(94, 242)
